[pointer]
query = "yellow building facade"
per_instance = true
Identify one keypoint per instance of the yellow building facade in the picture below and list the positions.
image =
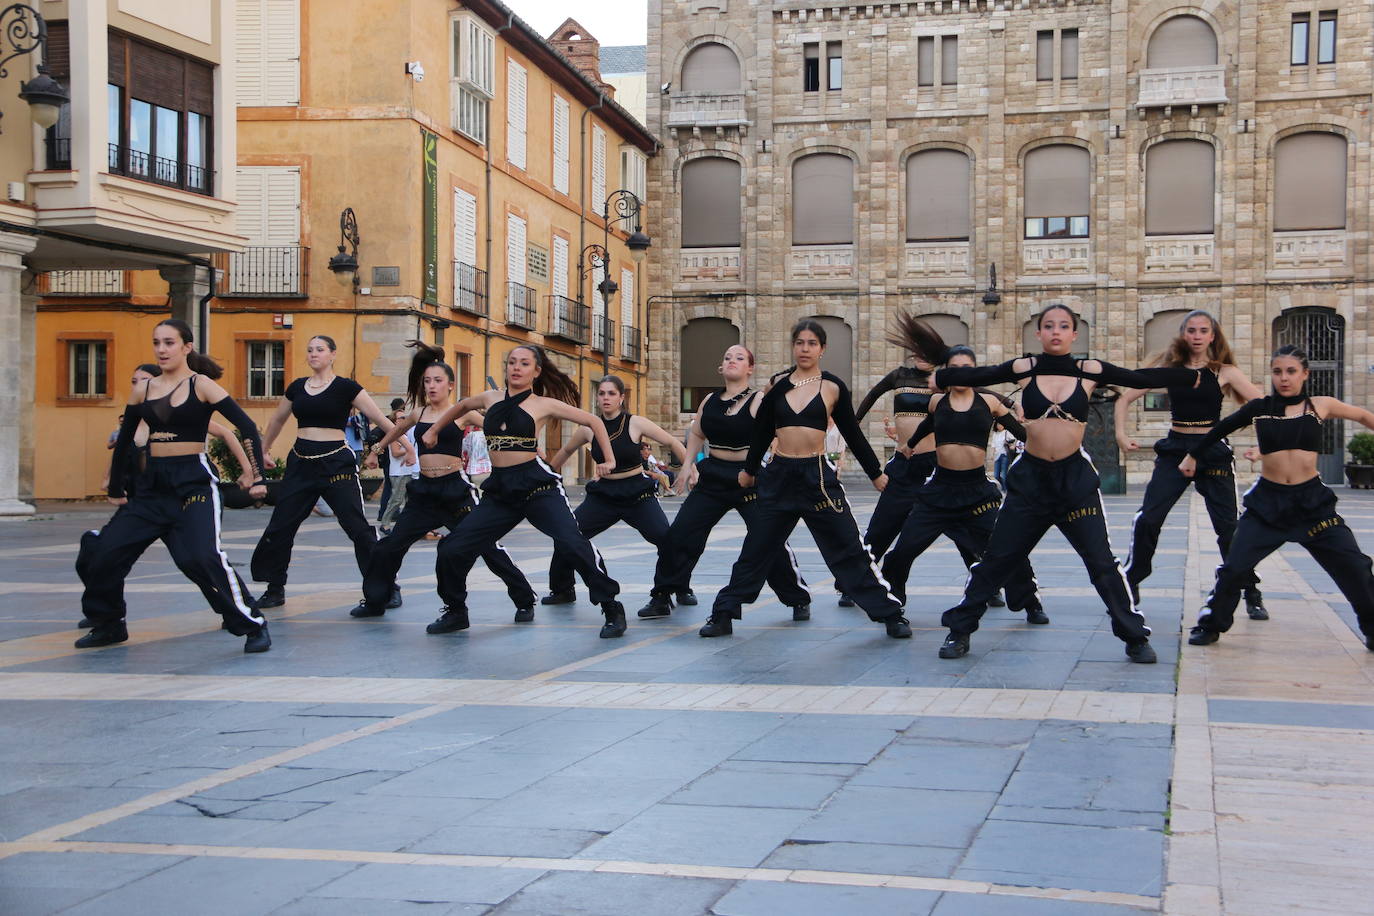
(477, 163)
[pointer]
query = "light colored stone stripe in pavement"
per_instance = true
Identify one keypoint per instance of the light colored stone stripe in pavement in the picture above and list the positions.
(960, 702)
(603, 866)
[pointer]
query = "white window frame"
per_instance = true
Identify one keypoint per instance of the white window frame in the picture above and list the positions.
(267, 53)
(94, 380)
(634, 171)
(627, 297)
(274, 366)
(472, 56)
(558, 271)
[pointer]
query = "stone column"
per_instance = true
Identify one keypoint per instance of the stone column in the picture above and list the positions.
(188, 284)
(16, 363)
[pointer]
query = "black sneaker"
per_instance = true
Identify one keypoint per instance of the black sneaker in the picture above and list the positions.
(686, 598)
(259, 641)
(897, 627)
(524, 615)
(395, 600)
(1036, 615)
(658, 606)
(275, 596)
(955, 646)
(1200, 637)
(1369, 643)
(363, 609)
(845, 600)
(614, 627)
(717, 625)
(1254, 605)
(1141, 652)
(565, 597)
(801, 612)
(107, 635)
(85, 623)
(996, 600)
(451, 620)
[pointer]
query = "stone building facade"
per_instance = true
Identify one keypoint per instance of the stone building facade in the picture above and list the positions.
(1133, 160)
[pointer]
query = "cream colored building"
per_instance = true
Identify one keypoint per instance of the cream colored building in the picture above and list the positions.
(1132, 160)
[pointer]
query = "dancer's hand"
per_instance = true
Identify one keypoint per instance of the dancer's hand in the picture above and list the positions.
(1252, 454)
(431, 436)
(117, 500)
(604, 468)
(685, 480)
(1188, 466)
(370, 462)
(746, 480)
(1127, 444)
(267, 462)
(258, 492)
(245, 481)
(880, 483)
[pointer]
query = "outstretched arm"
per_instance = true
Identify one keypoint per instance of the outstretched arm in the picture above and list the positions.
(975, 376)
(843, 415)
(1104, 373)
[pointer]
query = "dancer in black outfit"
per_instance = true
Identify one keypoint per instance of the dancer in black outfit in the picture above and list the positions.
(1289, 503)
(799, 484)
(1193, 411)
(522, 486)
(1053, 483)
(628, 494)
(442, 497)
(320, 465)
(178, 500)
(135, 462)
(724, 424)
(959, 501)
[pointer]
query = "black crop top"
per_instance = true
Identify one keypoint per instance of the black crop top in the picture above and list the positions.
(724, 429)
(624, 449)
(811, 416)
(964, 427)
(507, 427)
(1036, 405)
(328, 409)
(1275, 430)
(450, 440)
(903, 377)
(188, 421)
(1196, 406)
(911, 402)
(767, 423)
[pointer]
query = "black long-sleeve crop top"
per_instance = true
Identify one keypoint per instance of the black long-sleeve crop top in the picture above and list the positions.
(897, 379)
(766, 426)
(1274, 428)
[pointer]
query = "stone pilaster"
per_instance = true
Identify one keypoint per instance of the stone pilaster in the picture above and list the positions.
(16, 364)
(187, 285)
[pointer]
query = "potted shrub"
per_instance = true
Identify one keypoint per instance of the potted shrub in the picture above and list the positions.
(232, 496)
(1360, 471)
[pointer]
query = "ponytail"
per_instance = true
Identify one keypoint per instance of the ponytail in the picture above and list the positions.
(551, 382)
(425, 356)
(195, 361)
(919, 339)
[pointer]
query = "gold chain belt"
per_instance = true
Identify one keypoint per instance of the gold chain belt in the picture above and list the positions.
(343, 447)
(511, 443)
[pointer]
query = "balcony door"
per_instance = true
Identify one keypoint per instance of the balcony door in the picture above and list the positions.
(269, 215)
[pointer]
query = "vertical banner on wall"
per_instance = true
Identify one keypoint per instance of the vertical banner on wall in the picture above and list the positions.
(429, 144)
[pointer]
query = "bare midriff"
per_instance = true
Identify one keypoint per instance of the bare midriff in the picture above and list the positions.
(906, 428)
(958, 457)
(728, 454)
(175, 449)
(320, 434)
(1289, 466)
(799, 442)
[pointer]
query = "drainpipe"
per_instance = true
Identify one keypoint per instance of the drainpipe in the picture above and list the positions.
(204, 310)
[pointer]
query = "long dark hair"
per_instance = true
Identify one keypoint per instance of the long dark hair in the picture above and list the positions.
(1218, 351)
(551, 382)
(195, 361)
(809, 324)
(920, 340)
(425, 356)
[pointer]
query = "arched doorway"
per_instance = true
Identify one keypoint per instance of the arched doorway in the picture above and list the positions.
(704, 342)
(1321, 334)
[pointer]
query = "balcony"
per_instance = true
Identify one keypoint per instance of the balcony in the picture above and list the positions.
(522, 306)
(1179, 253)
(707, 110)
(629, 343)
(269, 271)
(568, 319)
(171, 173)
(59, 154)
(937, 260)
(83, 283)
(470, 289)
(1056, 258)
(821, 262)
(1182, 87)
(1309, 250)
(709, 264)
(603, 334)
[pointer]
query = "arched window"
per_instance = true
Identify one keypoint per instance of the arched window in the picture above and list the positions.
(711, 68)
(710, 198)
(1057, 192)
(937, 196)
(1081, 347)
(949, 327)
(838, 358)
(704, 342)
(1309, 181)
(1182, 41)
(823, 200)
(1180, 184)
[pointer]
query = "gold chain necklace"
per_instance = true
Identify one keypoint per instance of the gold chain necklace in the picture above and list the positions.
(805, 381)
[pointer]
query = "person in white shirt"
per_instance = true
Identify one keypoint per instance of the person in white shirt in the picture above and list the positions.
(404, 467)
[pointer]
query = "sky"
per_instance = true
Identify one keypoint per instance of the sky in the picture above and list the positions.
(623, 22)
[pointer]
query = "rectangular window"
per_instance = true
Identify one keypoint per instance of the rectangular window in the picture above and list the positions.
(159, 107)
(925, 61)
(266, 368)
(470, 115)
(834, 66)
(86, 369)
(558, 281)
(949, 60)
(561, 114)
(1068, 54)
(1044, 55)
(114, 105)
(598, 169)
(1057, 227)
(1302, 23)
(471, 61)
(811, 67)
(627, 297)
(516, 81)
(633, 172)
(1326, 37)
(516, 263)
(267, 52)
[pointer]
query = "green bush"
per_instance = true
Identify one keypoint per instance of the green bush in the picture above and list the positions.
(1361, 448)
(228, 468)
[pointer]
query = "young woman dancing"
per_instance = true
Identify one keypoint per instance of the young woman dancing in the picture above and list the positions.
(799, 484)
(959, 501)
(1053, 483)
(522, 486)
(1289, 503)
(321, 464)
(627, 494)
(1200, 345)
(724, 426)
(442, 497)
(178, 500)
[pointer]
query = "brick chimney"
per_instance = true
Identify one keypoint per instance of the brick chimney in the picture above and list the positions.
(577, 44)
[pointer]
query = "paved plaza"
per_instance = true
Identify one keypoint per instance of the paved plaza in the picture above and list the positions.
(363, 766)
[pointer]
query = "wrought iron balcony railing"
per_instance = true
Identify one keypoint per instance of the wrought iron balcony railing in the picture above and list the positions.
(569, 319)
(83, 283)
(629, 343)
(59, 153)
(603, 334)
(470, 289)
(265, 270)
(522, 305)
(132, 163)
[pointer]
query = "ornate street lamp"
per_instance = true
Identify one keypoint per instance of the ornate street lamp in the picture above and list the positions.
(25, 31)
(345, 263)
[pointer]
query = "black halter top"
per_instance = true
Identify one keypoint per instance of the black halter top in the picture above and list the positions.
(721, 427)
(507, 427)
(624, 449)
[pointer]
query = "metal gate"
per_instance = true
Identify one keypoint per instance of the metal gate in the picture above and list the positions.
(1321, 333)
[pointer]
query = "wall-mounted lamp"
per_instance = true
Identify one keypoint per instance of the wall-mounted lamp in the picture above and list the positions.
(991, 297)
(344, 265)
(26, 31)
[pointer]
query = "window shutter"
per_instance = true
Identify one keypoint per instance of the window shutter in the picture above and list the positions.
(515, 113)
(281, 52)
(627, 297)
(711, 68)
(1309, 182)
(937, 195)
(248, 40)
(282, 197)
(703, 342)
(710, 197)
(1068, 54)
(559, 279)
(118, 49)
(1182, 41)
(598, 303)
(598, 169)
(251, 216)
(464, 227)
(949, 60)
(515, 249)
(560, 144)
(1179, 187)
(1057, 181)
(59, 51)
(823, 200)
(158, 76)
(1044, 55)
(925, 61)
